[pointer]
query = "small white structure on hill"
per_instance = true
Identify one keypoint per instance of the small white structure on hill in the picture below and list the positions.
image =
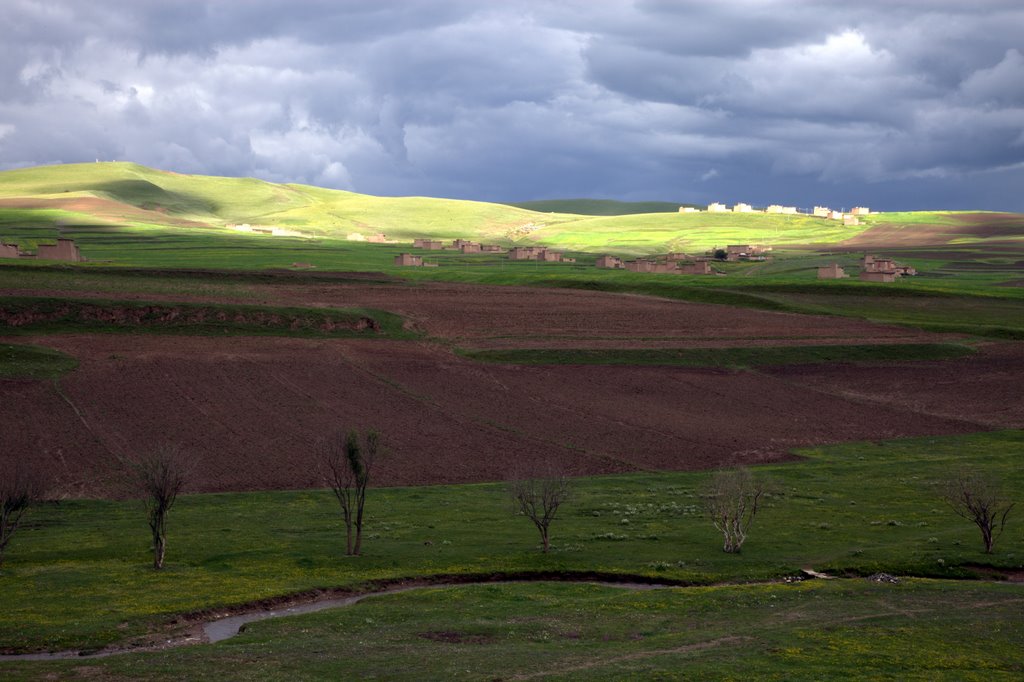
(717, 208)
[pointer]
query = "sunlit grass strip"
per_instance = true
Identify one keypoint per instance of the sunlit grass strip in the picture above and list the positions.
(724, 357)
(33, 362)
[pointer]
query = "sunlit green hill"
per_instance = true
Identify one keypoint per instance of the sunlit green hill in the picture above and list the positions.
(140, 203)
(597, 207)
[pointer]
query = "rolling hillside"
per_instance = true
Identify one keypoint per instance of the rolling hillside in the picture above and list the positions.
(108, 203)
(598, 207)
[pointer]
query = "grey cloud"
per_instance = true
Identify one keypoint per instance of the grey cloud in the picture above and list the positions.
(531, 99)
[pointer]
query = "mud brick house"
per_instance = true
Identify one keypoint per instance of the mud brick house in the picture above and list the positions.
(9, 250)
(742, 208)
(640, 265)
(408, 259)
(379, 238)
(549, 256)
(491, 248)
(524, 253)
(875, 269)
(700, 267)
(689, 209)
(875, 264)
(878, 276)
(832, 271)
(905, 270)
(821, 211)
(738, 252)
(64, 249)
(610, 262)
(429, 244)
(860, 210)
(776, 208)
(676, 256)
(717, 208)
(469, 247)
(850, 219)
(835, 215)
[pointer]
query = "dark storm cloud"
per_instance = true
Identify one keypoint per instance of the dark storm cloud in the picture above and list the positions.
(894, 102)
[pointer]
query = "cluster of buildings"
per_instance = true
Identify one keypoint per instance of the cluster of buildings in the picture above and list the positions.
(531, 253)
(873, 269)
(64, 249)
(850, 218)
(538, 253)
(743, 252)
(673, 263)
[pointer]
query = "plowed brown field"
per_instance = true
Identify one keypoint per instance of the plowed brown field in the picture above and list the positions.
(251, 407)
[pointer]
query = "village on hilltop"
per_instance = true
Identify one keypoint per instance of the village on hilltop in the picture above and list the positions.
(850, 218)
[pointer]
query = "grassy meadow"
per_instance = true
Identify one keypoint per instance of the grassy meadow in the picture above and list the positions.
(77, 574)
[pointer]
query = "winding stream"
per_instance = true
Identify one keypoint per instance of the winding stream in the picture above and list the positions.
(219, 629)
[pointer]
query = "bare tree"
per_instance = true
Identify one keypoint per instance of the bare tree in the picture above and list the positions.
(977, 497)
(159, 476)
(539, 498)
(345, 464)
(20, 488)
(732, 500)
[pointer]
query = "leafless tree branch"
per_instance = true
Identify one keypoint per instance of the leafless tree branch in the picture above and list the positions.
(732, 500)
(159, 477)
(539, 497)
(977, 497)
(345, 463)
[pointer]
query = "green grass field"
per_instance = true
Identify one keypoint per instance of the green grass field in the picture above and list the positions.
(845, 630)
(33, 362)
(77, 575)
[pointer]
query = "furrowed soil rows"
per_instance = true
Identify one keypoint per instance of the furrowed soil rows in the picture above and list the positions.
(252, 407)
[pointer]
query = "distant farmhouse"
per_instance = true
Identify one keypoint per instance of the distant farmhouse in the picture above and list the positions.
(670, 264)
(429, 244)
(875, 269)
(832, 271)
(738, 252)
(717, 208)
(610, 262)
(411, 260)
(534, 253)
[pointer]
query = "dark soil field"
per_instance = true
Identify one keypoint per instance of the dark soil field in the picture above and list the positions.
(252, 407)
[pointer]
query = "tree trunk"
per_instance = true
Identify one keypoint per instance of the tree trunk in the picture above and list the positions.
(159, 549)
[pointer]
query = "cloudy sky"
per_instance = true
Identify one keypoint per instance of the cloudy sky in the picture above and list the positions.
(898, 104)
